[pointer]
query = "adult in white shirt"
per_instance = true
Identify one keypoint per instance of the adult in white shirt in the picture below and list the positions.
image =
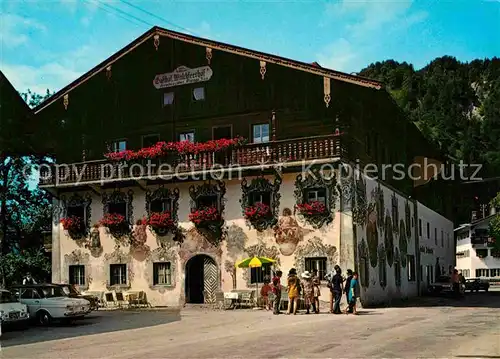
(28, 279)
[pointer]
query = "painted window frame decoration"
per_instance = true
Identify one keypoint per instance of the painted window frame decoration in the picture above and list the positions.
(397, 268)
(395, 212)
(162, 255)
(258, 216)
(363, 264)
(82, 230)
(361, 208)
(382, 266)
(389, 240)
(80, 258)
(163, 194)
(312, 181)
(118, 257)
(121, 229)
(213, 230)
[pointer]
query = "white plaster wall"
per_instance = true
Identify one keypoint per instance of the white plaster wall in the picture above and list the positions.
(445, 250)
(140, 280)
(375, 293)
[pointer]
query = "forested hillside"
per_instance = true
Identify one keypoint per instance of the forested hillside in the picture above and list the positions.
(455, 104)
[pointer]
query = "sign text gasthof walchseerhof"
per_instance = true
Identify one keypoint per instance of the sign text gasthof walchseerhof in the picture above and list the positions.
(183, 76)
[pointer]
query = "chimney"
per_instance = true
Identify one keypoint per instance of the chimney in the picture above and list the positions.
(474, 216)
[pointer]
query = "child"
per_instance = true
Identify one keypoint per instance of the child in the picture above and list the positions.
(353, 294)
(264, 293)
(277, 292)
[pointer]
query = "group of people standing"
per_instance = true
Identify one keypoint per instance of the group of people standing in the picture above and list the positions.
(308, 286)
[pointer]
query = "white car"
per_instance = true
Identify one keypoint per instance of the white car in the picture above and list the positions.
(11, 310)
(47, 302)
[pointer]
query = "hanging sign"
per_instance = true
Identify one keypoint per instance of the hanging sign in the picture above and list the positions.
(183, 76)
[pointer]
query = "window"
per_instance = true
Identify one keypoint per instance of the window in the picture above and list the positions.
(482, 253)
(118, 274)
(76, 211)
(420, 227)
(442, 239)
(150, 140)
(168, 98)
(436, 236)
(260, 197)
(257, 275)
(466, 273)
(318, 263)
(495, 272)
(206, 201)
(77, 275)
(260, 133)
(29, 294)
(316, 194)
(412, 275)
(186, 136)
(482, 272)
(118, 208)
(413, 223)
(160, 205)
(162, 274)
(199, 94)
(118, 146)
(428, 230)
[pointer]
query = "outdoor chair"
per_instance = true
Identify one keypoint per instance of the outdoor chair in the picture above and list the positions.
(133, 300)
(142, 300)
(247, 299)
(220, 301)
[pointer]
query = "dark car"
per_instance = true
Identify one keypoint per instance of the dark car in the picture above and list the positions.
(72, 292)
(476, 284)
(442, 285)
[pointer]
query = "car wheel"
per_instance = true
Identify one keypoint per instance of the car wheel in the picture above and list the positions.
(43, 318)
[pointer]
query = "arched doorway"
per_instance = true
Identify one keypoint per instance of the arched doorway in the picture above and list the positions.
(201, 276)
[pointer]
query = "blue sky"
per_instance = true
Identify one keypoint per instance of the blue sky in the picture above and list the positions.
(49, 43)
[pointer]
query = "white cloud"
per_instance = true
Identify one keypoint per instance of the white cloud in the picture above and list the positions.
(338, 56)
(367, 25)
(15, 29)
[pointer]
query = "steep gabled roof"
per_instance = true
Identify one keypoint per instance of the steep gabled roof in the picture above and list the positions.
(302, 66)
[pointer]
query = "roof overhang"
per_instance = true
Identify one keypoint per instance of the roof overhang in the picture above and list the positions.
(157, 32)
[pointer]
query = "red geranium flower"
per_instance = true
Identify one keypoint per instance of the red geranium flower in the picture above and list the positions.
(72, 224)
(112, 219)
(257, 211)
(210, 214)
(311, 208)
(159, 220)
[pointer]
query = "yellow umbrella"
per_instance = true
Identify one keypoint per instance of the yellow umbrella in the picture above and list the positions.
(255, 262)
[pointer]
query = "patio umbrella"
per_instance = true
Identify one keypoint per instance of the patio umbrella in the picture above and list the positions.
(255, 262)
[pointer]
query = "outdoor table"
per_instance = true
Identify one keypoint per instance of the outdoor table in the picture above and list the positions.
(233, 297)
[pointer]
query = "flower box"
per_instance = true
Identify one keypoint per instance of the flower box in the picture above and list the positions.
(160, 222)
(205, 217)
(257, 212)
(116, 224)
(312, 209)
(162, 149)
(74, 226)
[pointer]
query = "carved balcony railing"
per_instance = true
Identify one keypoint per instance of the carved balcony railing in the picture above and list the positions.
(251, 155)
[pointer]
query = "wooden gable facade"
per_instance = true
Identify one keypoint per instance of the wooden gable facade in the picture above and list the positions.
(117, 101)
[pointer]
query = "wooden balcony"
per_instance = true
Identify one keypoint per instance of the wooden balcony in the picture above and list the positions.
(284, 153)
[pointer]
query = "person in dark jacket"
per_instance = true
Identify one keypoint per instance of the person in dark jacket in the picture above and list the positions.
(347, 287)
(336, 289)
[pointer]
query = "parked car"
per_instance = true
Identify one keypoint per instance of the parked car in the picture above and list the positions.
(12, 312)
(441, 286)
(72, 292)
(476, 284)
(49, 302)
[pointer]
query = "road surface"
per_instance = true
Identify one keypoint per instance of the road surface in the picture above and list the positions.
(445, 328)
